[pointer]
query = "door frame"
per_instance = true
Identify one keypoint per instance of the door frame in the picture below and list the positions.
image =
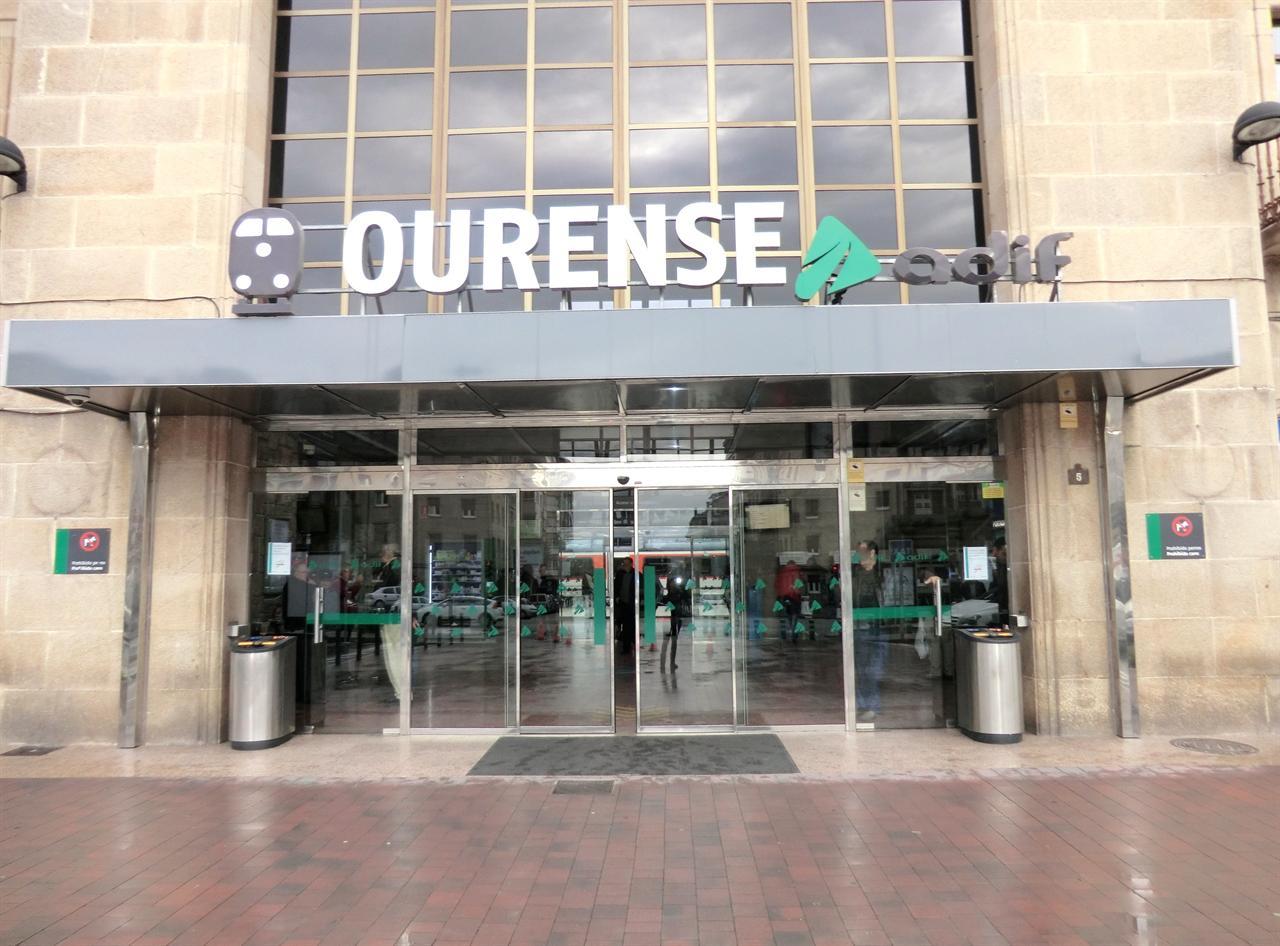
(609, 475)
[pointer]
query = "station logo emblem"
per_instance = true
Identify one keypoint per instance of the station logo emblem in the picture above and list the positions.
(835, 250)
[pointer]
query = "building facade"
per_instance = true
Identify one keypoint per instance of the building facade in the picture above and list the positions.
(623, 470)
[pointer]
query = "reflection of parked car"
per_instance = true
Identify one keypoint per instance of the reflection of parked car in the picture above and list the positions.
(461, 611)
(529, 604)
(387, 598)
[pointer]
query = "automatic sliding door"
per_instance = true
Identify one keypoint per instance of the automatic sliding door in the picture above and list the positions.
(787, 598)
(465, 611)
(685, 662)
(566, 644)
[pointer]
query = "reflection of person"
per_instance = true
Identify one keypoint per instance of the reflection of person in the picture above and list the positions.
(678, 599)
(1000, 582)
(624, 606)
(784, 586)
(350, 584)
(869, 649)
(395, 637)
(296, 603)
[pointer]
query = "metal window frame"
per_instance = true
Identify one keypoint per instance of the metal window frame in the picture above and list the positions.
(622, 191)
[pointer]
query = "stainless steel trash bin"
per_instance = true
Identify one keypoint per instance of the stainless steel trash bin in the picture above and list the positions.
(262, 691)
(989, 684)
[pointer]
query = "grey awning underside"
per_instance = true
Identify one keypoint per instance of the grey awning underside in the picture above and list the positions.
(762, 358)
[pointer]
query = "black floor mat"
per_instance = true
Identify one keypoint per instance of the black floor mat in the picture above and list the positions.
(746, 754)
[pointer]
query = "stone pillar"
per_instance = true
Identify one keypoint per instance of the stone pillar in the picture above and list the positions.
(144, 125)
(200, 572)
(1079, 134)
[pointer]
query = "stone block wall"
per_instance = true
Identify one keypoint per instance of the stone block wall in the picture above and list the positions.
(144, 125)
(1113, 121)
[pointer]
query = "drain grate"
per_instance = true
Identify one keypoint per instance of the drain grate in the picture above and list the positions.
(583, 786)
(1215, 746)
(32, 750)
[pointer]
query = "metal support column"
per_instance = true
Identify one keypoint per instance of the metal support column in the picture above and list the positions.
(1115, 538)
(407, 453)
(846, 571)
(137, 583)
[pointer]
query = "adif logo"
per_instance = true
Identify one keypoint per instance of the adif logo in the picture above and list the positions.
(835, 250)
(838, 260)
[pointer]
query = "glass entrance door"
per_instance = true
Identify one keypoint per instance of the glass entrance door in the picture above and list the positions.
(786, 579)
(566, 646)
(465, 607)
(684, 664)
(927, 557)
(327, 572)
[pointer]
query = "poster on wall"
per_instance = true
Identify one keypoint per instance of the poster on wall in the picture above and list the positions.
(1175, 535)
(976, 565)
(279, 555)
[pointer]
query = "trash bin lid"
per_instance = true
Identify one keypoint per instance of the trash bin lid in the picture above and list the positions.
(989, 635)
(261, 643)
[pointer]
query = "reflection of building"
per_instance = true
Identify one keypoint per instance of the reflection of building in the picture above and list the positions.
(455, 436)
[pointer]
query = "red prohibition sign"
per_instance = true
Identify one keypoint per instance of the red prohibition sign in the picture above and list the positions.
(89, 541)
(1182, 527)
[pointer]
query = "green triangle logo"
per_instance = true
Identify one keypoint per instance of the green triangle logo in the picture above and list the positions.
(835, 250)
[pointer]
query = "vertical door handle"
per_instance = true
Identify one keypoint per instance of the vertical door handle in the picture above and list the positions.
(937, 605)
(318, 631)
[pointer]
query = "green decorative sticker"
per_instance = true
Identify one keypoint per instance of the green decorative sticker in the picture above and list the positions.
(798, 584)
(834, 251)
(525, 632)
(524, 588)
(508, 608)
(740, 606)
(490, 588)
(542, 609)
(835, 627)
(600, 630)
(579, 608)
(799, 628)
(759, 585)
(777, 607)
(455, 589)
(833, 584)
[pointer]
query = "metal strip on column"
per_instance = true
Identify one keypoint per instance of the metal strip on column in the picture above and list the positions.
(1115, 532)
(137, 584)
(406, 572)
(845, 553)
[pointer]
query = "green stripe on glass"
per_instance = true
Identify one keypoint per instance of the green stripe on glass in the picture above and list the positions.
(650, 604)
(896, 613)
(598, 604)
(330, 618)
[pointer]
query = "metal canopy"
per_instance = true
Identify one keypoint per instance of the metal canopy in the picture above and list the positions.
(641, 362)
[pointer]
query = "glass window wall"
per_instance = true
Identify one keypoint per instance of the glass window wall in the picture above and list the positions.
(866, 113)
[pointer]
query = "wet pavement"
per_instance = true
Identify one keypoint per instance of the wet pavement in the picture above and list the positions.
(1169, 854)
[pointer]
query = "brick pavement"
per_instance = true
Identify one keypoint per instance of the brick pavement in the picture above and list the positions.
(1175, 856)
